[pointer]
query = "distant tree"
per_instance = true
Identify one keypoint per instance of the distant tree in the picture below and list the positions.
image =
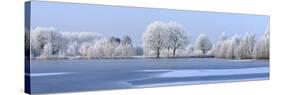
(125, 49)
(231, 46)
(43, 36)
(219, 50)
(115, 40)
(72, 49)
(47, 42)
(262, 48)
(246, 48)
(126, 40)
(110, 48)
(203, 43)
(47, 50)
(83, 50)
(76, 43)
(98, 50)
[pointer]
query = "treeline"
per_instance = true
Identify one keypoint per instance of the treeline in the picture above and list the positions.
(246, 47)
(49, 43)
(170, 40)
(161, 39)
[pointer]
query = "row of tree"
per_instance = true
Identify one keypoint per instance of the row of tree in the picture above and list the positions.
(246, 47)
(159, 40)
(49, 43)
(163, 39)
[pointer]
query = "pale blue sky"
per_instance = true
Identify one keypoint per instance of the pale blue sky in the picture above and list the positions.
(132, 21)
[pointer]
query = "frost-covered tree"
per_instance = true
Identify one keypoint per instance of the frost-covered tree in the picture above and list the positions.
(47, 42)
(219, 51)
(37, 42)
(77, 42)
(231, 46)
(111, 45)
(226, 47)
(43, 36)
(160, 38)
(242, 48)
(246, 48)
(110, 48)
(262, 49)
(115, 40)
(126, 40)
(176, 37)
(72, 49)
(97, 50)
(125, 49)
(47, 50)
(83, 50)
(203, 43)
(153, 39)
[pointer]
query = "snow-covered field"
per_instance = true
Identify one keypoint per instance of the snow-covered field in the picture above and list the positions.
(52, 76)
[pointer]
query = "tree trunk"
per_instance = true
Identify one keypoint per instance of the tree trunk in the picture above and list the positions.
(174, 52)
(158, 52)
(204, 51)
(168, 51)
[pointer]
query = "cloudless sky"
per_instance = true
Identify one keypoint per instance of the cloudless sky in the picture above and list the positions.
(132, 21)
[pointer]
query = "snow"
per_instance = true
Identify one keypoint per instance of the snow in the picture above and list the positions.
(47, 74)
(196, 82)
(194, 73)
(244, 60)
(159, 70)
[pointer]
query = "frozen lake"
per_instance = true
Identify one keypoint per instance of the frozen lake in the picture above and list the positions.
(52, 76)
